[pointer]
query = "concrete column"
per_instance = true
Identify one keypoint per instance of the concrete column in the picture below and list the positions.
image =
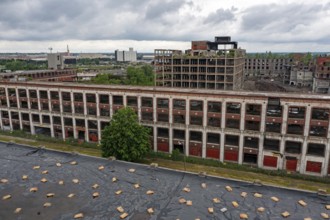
(52, 133)
(28, 99)
(170, 138)
(186, 144)
(86, 131)
(154, 104)
(240, 149)
(97, 100)
(85, 103)
(329, 130)
(74, 127)
(281, 161)
(125, 100)
(38, 97)
(307, 120)
(222, 145)
(263, 117)
(49, 101)
(10, 121)
(99, 130)
(302, 167)
(1, 124)
(63, 127)
(324, 171)
(261, 147)
(187, 113)
(139, 105)
(20, 121)
(31, 124)
(155, 137)
(72, 103)
(285, 119)
(204, 143)
(110, 104)
(204, 113)
(17, 98)
(61, 101)
(170, 110)
(223, 115)
(7, 97)
(243, 107)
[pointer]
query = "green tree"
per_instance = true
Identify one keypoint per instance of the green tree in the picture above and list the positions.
(124, 137)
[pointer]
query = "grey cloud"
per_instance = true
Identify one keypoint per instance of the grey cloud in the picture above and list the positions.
(280, 19)
(221, 15)
(158, 8)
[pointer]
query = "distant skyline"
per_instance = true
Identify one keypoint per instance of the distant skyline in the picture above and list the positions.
(107, 25)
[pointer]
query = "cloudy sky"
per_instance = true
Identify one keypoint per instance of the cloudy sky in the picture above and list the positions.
(106, 25)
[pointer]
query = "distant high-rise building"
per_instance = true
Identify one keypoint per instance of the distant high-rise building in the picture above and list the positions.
(215, 65)
(126, 56)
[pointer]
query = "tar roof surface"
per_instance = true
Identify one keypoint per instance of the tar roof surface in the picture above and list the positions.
(167, 185)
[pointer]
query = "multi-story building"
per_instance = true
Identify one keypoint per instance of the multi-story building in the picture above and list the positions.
(126, 56)
(322, 75)
(204, 66)
(267, 130)
(265, 67)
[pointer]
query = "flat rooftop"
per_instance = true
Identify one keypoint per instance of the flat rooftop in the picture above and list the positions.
(137, 89)
(159, 189)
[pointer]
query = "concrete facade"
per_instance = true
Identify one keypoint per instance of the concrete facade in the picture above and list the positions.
(55, 61)
(265, 67)
(126, 56)
(322, 75)
(266, 130)
(204, 66)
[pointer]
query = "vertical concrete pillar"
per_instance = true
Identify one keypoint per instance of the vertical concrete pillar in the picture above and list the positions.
(7, 97)
(63, 127)
(125, 100)
(49, 101)
(186, 144)
(302, 167)
(28, 99)
(31, 124)
(307, 120)
(204, 143)
(74, 126)
(1, 124)
(20, 121)
(85, 103)
(222, 145)
(281, 159)
(38, 97)
(61, 101)
(204, 113)
(139, 105)
(99, 131)
(325, 167)
(155, 137)
(154, 107)
(170, 110)
(240, 149)
(10, 120)
(223, 115)
(242, 124)
(263, 117)
(110, 104)
(260, 150)
(17, 99)
(86, 130)
(284, 119)
(52, 133)
(170, 138)
(72, 103)
(97, 101)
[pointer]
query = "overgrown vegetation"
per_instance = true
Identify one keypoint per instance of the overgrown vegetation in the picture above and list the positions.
(124, 137)
(15, 65)
(139, 75)
(177, 156)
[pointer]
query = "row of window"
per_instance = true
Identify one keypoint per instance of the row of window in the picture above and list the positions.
(291, 147)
